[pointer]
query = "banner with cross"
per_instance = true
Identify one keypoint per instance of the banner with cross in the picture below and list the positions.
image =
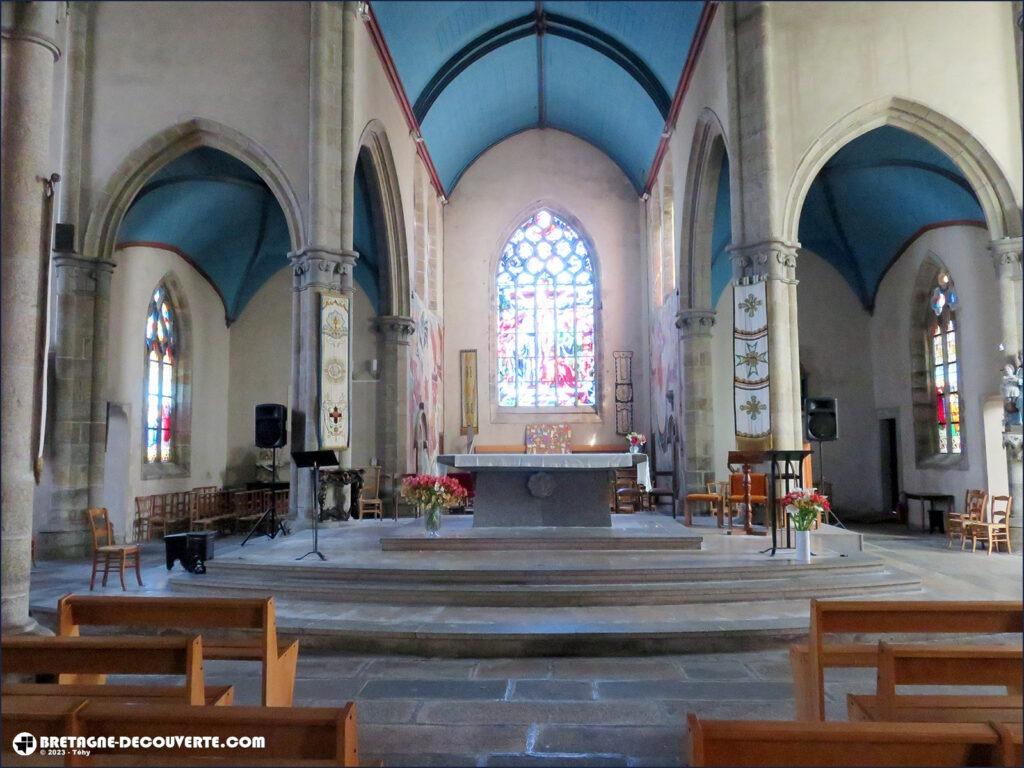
(750, 360)
(334, 364)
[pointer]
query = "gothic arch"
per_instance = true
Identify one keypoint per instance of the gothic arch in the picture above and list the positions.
(148, 158)
(1002, 215)
(707, 153)
(375, 150)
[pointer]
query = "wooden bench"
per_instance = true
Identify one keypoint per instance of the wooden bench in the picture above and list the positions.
(780, 743)
(61, 657)
(809, 660)
(76, 611)
(40, 716)
(1010, 750)
(209, 508)
(942, 665)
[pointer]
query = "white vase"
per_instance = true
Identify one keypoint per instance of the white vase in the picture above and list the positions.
(803, 547)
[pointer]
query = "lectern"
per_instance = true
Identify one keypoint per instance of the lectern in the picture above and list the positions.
(316, 460)
(746, 460)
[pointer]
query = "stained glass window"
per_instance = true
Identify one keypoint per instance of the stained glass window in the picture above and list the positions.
(945, 365)
(545, 340)
(161, 359)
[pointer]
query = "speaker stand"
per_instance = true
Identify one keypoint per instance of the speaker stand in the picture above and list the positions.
(831, 515)
(270, 513)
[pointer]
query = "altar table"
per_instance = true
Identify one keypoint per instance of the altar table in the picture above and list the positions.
(515, 490)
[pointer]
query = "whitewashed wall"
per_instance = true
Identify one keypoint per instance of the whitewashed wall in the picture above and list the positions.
(499, 190)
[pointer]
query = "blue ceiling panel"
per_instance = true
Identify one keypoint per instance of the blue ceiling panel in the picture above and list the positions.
(364, 235)
(493, 98)
(423, 36)
(605, 107)
(873, 196)
(217, 212)
(721, 235)
(659, 33)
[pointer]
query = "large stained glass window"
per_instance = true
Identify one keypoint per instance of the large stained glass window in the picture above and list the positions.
(545, 323)
(161, 359)
(945, 364)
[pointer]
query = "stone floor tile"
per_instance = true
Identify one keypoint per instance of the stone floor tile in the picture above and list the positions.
(421, 760)
(695, 691)
(554, 761)
(552, 690)
(383, 711)
(420, 668)
(441, 739)
(599, 741)
(676, 711)
(531, 669)
(720, 671)
(337, 689)
(434, 689)
(638, 713)
(615, 668)
(316, 666)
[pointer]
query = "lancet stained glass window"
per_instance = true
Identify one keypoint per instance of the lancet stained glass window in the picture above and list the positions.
(161, 359)
(545, 323)
(945, 365)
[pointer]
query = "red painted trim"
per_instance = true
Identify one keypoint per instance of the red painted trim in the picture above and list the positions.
(377, 36)
(707, 15)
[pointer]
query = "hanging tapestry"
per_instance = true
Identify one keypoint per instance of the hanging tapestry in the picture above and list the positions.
(750, 348)
(467, 379)
(623, 392)
(334, 330)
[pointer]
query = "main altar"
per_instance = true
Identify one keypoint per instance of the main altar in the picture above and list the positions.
(523, 490)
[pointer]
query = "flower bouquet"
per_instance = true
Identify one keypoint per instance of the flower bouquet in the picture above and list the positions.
(805, 506)
(636, 442)
(431, 494)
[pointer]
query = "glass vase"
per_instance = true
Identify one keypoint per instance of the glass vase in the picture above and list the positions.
(432, 521)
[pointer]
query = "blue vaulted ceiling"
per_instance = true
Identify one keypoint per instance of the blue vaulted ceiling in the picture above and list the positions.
(873, 196)
(220, 215)
(478, 72)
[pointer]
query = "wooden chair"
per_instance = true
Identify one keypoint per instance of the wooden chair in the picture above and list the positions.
(369, 496)
(70, 660)
(775, 743)
(712, 498)
(809, 660)
(758, 492)
(996, 530)
(104, 547)
(959, 523)
(915, 665)
(144, 520)
(208, 508)
(248, 506)
(75, 611)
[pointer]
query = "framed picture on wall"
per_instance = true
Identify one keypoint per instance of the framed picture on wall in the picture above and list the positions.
(468, 389)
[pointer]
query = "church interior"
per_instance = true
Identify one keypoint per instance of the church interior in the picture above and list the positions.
(511, 383)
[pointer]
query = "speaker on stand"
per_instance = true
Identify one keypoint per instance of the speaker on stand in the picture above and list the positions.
(821, 425)
(271, 432)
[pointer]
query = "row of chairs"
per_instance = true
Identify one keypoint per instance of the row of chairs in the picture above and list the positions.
(992, 530)
(69, 694)
(892, 727)
(203, 508)
(725, 496)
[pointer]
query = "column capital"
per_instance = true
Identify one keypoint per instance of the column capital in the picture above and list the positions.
(773, 258)
(1006, 254)
(395, 328)
(317, 266)
(695, 322)
(31, 23)
(72, 260)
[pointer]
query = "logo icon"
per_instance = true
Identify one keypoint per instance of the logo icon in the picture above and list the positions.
(25, 744)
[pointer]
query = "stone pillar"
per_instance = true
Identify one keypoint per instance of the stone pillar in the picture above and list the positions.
(28, 55)
(698, 420)
(315, 270)
(77, 280)
(1006, 254)
(393, 403)
(775, 261)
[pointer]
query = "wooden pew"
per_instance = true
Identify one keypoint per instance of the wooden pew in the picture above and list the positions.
(76, 611)
(942, 665)
(58, 656)
(208, 508)
(39, 716)
(780, 743)
(810, 659)
(1010, 738)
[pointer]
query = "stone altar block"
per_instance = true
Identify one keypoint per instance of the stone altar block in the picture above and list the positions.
(516, 490)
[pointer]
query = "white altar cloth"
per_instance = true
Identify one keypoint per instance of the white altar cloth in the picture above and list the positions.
(552, 461)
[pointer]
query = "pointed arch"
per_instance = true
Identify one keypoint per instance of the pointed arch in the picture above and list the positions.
(989, 183)
(173, 142)
(389, 217)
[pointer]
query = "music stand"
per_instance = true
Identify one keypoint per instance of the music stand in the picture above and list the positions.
(315, 460)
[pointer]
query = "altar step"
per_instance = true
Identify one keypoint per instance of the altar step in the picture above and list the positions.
(645, 587)
(531, 539)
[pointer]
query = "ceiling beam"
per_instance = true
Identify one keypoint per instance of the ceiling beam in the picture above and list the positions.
(541, 112)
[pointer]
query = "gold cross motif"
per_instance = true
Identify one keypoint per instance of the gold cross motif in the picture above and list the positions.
(751, 358)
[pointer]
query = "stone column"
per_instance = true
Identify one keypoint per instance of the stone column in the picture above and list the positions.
(28, 56)
(1006, 254)
(698, 422)
(315, 270)
(775, 261)
(393, 436)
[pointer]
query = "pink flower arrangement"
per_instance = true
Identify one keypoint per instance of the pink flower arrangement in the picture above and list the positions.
(434, 491)
(804, 505)
(636, 440)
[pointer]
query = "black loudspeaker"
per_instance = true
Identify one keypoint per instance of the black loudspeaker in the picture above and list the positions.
(64, 238)
(271, 425)
(822, 420)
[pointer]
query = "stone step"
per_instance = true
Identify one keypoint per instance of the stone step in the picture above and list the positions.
(737, 588)
(585, 539)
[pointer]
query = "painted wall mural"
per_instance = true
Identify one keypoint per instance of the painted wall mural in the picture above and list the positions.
(664, 370)
(426, 374)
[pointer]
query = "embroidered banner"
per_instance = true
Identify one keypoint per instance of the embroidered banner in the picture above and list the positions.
(334, 410)
(750, 348)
